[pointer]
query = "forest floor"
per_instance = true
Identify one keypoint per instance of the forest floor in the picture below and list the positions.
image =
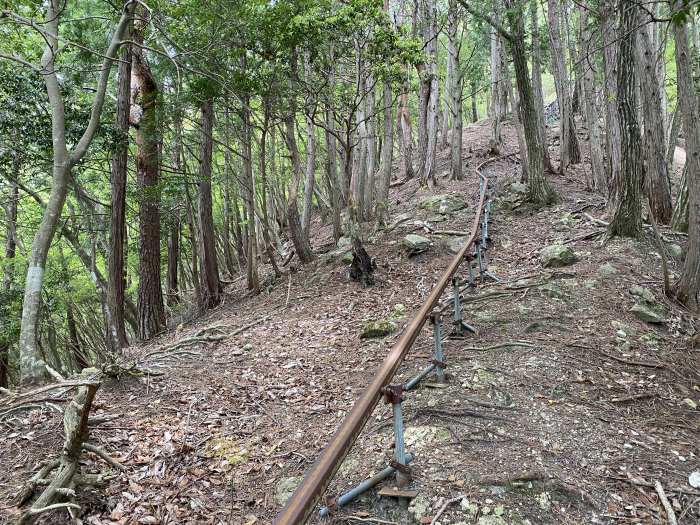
(574, 427)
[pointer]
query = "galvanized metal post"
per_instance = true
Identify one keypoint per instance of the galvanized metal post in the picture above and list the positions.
(438, 354)
(394, 394)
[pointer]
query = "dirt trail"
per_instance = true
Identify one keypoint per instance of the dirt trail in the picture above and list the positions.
(575, 427)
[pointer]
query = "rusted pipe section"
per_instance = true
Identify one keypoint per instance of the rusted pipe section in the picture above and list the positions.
(307, 494)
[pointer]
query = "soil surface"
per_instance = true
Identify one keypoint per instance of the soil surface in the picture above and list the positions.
(565, 407)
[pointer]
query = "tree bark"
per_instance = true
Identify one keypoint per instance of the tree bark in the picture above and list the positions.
(627, 215)
(612, 116)
(151, 312)
(382, 205)
(656, 179)
(598, 182)
(116, 274)
(537, 82)
(209, 266)
(540, 193)
(568, 145)
(688, 285)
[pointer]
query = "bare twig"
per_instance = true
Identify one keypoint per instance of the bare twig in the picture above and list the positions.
(664, 501)
(444, 507)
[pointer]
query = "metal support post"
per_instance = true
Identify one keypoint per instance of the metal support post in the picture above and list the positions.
(460, 327)
(438, 354)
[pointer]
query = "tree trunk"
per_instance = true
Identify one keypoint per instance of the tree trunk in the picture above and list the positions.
(430, 36)
(371, 147)
(116, 274)
(406, 136)
(627, 215)
(540, 193)
(537, 83)
(382, 206)
(208, 264)
(656, 179)
(599, 182)
(679, 221)
(151, 312)
(173, 261)
(32, 367)
(252, 279)
(688, 285)
(612, 116)
(9, 264)
(454, 92)
(296, 232)
(568, 143)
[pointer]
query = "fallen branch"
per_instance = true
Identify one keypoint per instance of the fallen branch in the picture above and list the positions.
(525, 344)
(648, 364)
(444, 507)
(664, 501)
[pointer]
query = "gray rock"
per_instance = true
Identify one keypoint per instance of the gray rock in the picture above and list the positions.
(647, 313)
(419, 507)
(607, 270)
(285, 488)
(415, 244)
(347, 257)
(566, 222)
(491, 519)
(446, 203)
(344, 242)
(557, 255)
(455, 244)
(643, 293)
(519, 188)
(552, 291)
(675, 251)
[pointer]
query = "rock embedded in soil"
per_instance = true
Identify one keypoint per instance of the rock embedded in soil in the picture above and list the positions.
(607, 271)
(643, 293)
(415, 244)
(675, 251)
(557, 256)
(285, 488)
(446, 203)
(419, 507)
(455, 244)
(647, 313)
(378, 328)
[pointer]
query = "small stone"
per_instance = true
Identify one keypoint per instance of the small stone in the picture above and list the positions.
(646, 313)
(693, 479)
(552, 291)
(415, 244)
(347, 257)
(544, 500)
(556, 256)
(607, 270)
(455, 244)
(675, 251)
(419, 507)
(344, 242)
(690, 403)
(285, 488)
(247, 347)
(519, 188)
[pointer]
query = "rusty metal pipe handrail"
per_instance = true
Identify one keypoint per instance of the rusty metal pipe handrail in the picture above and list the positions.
(314, 484)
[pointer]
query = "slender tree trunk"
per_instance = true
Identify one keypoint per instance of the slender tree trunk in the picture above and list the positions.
(371, 147)
(656, 180)
(209, 268)
(540, 193)
(253, 281)
(266, 226)
(627, 215)
(151, 312)
(475, 111)
(116, 274)
(406, 136)
(537, 82)
(569, 147)
(688, 285)
(679, 221)
(454, 92)
(299, 238)
(382, 206)
(173, 261)
(598, 182)
(9, 265)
